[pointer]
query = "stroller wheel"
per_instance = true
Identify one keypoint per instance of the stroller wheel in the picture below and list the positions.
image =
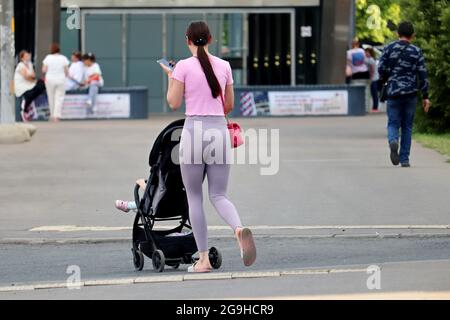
(215, 258)
(175, 266)
(158, 261)
(138, 259)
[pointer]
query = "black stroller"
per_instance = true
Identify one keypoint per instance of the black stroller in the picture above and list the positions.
(164, 199)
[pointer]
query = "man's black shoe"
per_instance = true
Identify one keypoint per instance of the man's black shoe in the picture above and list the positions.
(406, 165)
(395, 158)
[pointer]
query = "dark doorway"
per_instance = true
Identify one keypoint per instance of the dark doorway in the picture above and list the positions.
(269, 58)
(307, 36)
(25, 25)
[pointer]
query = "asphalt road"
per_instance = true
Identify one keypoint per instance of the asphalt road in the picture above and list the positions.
(48, 263)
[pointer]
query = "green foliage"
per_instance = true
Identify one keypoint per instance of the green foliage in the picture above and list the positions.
(373, 18)
(431, 20)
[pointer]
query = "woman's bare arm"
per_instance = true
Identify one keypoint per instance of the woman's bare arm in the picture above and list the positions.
(141, 183)
(175, 93)
(229, 99)
(26, 75)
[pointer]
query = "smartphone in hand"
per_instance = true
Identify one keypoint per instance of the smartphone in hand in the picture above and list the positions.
(165, 63)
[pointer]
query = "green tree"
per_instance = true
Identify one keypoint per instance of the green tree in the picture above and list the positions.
(431, 20)
(376, 18)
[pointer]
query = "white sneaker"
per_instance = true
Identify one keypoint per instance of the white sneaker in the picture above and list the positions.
(89, 103)
(24, 118)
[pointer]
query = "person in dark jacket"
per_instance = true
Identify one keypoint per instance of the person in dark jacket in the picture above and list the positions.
(402, 68)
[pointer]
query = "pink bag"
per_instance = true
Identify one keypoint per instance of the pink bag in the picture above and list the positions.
(235, 134)
(233, 128)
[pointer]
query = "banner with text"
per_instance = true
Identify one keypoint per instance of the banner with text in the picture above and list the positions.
(296, 103)
(308, 103)
(107, 106)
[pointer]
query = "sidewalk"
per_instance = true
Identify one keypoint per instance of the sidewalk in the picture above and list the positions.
(333, 172)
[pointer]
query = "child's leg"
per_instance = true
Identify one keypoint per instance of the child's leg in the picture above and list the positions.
(93, 92)
(132, 205)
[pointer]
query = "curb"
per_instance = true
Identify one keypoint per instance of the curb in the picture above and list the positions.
(69, 241)
(178, 278)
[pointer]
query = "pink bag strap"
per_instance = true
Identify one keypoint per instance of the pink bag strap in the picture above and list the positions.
(223, 104)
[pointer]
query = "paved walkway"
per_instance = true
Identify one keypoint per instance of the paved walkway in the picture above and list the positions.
(332, 172)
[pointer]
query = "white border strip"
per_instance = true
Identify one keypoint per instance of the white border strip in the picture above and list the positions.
(181, 278)
(74, 228)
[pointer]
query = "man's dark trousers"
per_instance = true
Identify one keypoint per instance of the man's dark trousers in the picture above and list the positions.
(401, 111)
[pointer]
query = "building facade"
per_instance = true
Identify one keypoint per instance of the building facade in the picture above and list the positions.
(282, 42)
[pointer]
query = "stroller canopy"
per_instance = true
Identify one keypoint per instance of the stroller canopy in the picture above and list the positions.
(164, 145)
(165, 195)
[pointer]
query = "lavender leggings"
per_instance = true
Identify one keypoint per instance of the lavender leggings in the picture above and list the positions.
(196, 158)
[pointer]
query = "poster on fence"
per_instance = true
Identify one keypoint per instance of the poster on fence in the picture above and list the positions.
(320, 102)
(107, 106)
(254, 103)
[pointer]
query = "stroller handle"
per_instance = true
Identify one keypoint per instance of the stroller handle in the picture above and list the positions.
(136, 194)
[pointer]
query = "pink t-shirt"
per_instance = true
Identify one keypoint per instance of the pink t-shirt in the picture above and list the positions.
(197, 93)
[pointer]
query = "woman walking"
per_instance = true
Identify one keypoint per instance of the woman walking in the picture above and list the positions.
(56, 69)
(206, 83)
(374, 77)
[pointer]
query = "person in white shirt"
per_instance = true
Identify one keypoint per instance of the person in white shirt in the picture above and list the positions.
(360, 74)
(356, 59)
(94, 79)
(56, 69)
(75, 78)
(26, 85)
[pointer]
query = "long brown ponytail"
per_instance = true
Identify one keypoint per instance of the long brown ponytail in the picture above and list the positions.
(198, 33)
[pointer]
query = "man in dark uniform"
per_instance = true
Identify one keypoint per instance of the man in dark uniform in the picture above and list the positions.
(402, 68)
